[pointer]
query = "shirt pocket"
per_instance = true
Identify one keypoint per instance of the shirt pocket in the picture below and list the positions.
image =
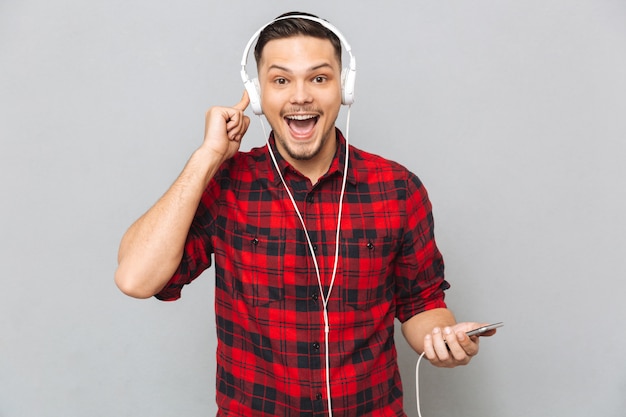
(257, 268)
(367, 267)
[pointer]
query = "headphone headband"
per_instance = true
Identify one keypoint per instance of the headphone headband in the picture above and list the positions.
(347, 77)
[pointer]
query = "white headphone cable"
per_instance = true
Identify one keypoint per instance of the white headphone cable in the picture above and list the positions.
(325, 297)
(417, 384)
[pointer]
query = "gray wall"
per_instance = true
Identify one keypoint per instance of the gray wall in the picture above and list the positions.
(511, 112)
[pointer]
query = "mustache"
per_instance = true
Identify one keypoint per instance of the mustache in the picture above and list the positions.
(301, 109)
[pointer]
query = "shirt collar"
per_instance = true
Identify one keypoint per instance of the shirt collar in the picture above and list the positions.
(336, 166)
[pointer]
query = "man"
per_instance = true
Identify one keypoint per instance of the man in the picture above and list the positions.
(305, 326)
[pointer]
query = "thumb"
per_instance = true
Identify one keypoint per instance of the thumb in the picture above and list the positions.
(244, 102)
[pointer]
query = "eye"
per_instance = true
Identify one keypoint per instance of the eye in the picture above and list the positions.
(319, 79)
(280, 81)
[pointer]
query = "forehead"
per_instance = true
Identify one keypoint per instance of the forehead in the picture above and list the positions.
(296, 50)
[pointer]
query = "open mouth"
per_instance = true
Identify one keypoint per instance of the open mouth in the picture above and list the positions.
(301, 124)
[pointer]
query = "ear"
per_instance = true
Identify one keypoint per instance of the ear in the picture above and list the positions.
(254, 92)
(348, 77)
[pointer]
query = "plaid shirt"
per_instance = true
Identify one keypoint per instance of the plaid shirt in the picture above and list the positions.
(269, 313)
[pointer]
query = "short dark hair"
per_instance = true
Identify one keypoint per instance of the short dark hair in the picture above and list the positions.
(286, 28)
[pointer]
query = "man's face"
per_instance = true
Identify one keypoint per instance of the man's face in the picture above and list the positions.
(300, 80)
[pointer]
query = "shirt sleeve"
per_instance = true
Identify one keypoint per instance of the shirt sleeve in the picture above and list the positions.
(419, 269)
(198, 247)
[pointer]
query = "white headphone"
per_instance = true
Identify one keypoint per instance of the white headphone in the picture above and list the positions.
(348, 74)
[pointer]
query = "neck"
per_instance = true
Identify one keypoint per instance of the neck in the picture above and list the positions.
(315, 166)
(313, 170)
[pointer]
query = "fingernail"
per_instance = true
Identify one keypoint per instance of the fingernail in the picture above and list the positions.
(447, 330)
(436, 330)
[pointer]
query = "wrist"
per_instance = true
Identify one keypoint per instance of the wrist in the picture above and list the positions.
(206, 161)
(209, 155)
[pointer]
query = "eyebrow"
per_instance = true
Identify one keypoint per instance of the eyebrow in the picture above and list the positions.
(289, 71)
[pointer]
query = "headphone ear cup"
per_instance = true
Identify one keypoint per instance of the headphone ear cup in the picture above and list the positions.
(348, 77)
(254, 93)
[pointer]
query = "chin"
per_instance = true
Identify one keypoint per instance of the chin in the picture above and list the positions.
(302, 152)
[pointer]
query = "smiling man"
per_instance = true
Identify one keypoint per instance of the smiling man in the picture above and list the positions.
(316, 254)
(300, 80)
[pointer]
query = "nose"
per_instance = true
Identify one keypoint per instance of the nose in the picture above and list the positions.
(301, 93)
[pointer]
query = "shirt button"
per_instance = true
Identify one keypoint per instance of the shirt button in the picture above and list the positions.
(310, 199)
(318, 396)
(316, 346)
(315, 297)
(315, 248)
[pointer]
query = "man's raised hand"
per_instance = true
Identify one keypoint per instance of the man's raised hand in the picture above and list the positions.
(225, 127)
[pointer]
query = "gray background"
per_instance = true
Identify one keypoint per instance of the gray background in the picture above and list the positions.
(511, 112)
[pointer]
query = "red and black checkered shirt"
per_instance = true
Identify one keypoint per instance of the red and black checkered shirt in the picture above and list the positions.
(269, 313)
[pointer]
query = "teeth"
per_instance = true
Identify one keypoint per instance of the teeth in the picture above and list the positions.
(301, 117)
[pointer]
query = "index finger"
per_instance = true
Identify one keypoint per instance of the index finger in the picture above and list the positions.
(244, 102)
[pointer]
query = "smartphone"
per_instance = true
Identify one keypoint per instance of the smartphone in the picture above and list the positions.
(481, 330)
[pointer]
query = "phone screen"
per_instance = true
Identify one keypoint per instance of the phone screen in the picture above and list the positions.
(481, 330)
